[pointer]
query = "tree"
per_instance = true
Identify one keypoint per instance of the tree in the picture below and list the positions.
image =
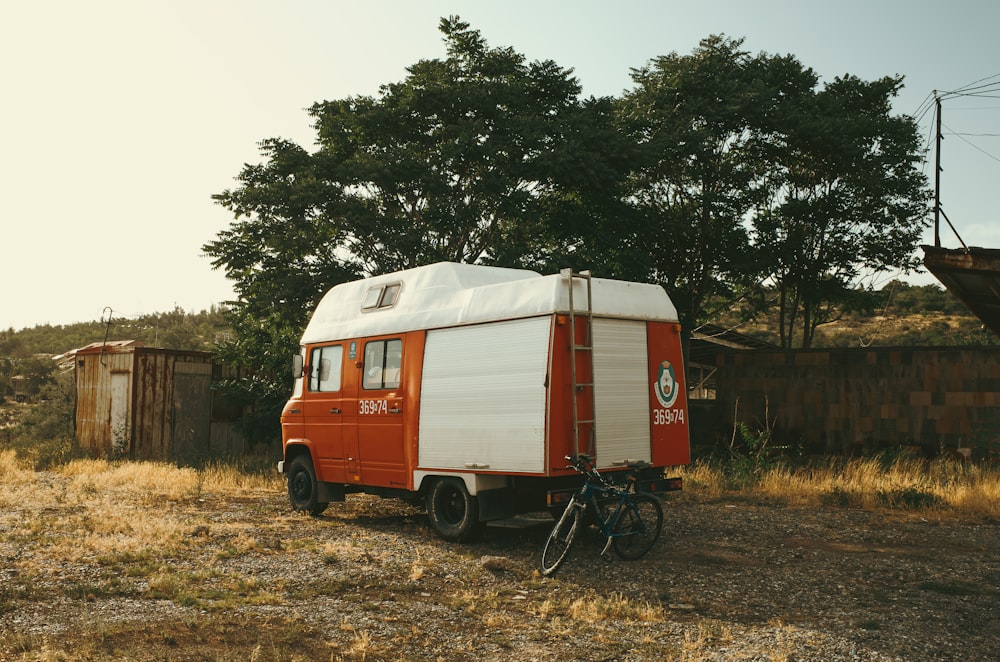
(479, 157)
(749, 175)
(701, 123)
(846, 201)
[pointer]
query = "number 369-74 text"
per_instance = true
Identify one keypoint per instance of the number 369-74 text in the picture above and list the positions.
(668, 416)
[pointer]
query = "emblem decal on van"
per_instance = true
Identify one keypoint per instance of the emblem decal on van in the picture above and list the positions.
(666, 386)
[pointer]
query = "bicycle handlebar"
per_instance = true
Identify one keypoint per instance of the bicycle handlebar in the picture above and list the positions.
(585, 465)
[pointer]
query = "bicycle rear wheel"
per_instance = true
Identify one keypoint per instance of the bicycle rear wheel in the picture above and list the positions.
(560, 539)
(638, 526)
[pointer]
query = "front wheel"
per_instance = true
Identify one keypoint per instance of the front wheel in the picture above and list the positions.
(303, 489)
(561, 539)
(638, 526)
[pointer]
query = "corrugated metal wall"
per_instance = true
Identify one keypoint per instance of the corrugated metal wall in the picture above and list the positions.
(94, 401)
(866, 399)
(172, 404)
(144, 403)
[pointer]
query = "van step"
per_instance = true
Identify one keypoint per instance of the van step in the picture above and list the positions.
(525, 521)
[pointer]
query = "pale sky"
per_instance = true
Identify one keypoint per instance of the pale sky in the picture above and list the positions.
(120, 119)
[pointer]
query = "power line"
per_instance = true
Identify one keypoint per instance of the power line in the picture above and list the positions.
(924, 106)
(974, 85)
(978, 135)
(970, 143)
(977, 96)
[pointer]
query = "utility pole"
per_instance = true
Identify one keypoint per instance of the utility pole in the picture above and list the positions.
(937, 174)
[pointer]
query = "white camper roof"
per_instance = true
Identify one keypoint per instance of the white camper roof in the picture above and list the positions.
(450, 294)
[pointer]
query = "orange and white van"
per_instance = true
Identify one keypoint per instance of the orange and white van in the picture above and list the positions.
(464, 387)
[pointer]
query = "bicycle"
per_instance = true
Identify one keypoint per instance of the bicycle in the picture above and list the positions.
(631, 527)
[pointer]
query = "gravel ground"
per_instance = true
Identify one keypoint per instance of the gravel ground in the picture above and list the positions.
(729, 580)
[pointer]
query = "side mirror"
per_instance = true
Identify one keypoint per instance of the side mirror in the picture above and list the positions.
(297, 366)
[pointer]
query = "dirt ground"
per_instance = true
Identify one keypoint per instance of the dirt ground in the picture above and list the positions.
(729, 580)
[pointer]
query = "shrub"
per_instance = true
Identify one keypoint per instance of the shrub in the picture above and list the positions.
(750, 449)
(45, 436)
(909, 498)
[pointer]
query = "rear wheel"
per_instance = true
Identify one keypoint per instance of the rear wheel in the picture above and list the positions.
(560, 539)
(454, 513)
(638, 526)
(303, 489)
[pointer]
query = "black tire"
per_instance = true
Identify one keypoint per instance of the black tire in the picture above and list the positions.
(303, 489)
(641, 523)
(453, 512)
(560, 539)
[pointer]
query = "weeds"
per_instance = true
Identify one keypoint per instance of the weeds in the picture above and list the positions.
(750, 449)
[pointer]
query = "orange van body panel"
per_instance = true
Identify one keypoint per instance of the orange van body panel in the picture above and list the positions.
(669, 422)
(412, 378)
(373, 438)
(559, 414)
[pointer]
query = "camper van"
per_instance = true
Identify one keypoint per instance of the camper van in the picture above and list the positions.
(464, 387)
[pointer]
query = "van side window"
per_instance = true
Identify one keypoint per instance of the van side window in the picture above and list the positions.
(383, 359)
(325, 368)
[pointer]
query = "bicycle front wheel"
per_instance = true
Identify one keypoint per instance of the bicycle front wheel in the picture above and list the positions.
(560, 539)
(638, 526)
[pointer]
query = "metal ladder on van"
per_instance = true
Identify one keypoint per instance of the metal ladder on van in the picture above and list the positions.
(589, 435)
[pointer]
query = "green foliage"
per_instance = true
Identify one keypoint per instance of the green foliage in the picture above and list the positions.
(897, 315)
(45, 435)
(904, 298)
(478, 157)
(749, 172)
(719, 171)
(849, 201)
(262, 354)
(699, 122)
(27, 354)
(468, 159)
(170, 330)
(750, 452)
(908, 498)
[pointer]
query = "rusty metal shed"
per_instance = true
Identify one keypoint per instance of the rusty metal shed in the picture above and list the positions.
(142, 402)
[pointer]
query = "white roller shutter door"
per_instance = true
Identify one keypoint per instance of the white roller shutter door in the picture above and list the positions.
(621, 391)
(482, 399)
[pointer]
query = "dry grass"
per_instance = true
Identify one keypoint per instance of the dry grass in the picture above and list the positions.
(113, 512)
(595, 608)
(94, 531)
(945, 486)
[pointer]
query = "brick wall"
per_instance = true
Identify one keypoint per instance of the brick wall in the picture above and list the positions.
(850, 400)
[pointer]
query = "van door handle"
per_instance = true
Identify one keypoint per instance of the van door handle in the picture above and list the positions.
(294, 411)
(395, 410)
(334, 411)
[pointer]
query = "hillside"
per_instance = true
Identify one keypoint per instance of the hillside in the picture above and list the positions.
(905, 316)
(909, 330)
(25, 356)
(176, 329)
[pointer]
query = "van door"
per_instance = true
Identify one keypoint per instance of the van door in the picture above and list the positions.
(323, 405)
(379, 447)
